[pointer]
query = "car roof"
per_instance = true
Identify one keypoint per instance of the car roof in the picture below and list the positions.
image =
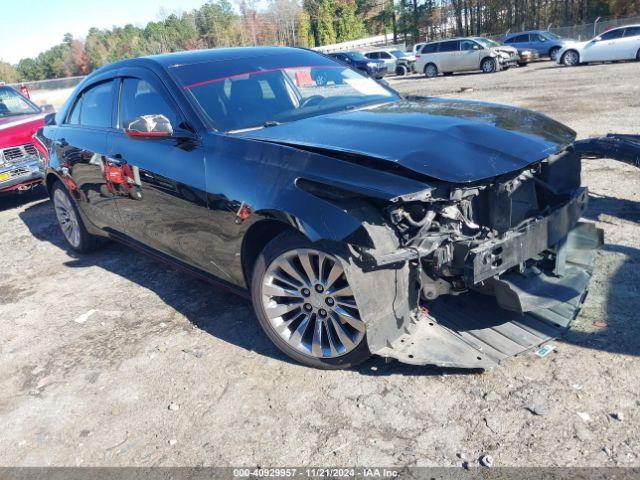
(453, 39)
(168, 60)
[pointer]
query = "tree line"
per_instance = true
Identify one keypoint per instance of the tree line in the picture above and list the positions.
(218, 23)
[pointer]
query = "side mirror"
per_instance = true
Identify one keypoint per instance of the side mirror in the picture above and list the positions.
(597, 39)
(149, 126)
(477, 47)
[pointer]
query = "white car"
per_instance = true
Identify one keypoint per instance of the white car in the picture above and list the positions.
(465, 54)
(621, 43)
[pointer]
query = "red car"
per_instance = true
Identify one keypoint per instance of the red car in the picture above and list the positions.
(21, 164)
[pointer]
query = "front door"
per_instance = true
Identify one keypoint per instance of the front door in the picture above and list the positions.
(81, 147)
(162, 203)
(604, 48)
(470, 52)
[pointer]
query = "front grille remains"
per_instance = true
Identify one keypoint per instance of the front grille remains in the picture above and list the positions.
(15, 154)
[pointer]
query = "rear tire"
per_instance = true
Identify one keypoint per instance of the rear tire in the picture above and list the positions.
(70, 222)
(638, 55)
(308, 312)
(430, 70)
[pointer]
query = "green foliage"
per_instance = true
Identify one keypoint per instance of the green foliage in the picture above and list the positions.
(348, 25)
(8, 73)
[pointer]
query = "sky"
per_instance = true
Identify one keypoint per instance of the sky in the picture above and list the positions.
(29, 27)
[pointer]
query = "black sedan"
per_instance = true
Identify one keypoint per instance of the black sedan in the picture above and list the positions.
(431, 231)
(373, 68)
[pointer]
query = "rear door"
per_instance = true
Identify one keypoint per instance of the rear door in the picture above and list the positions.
(81, 147)
(163, 195)
(449, 56)
(520, 41)
(630, 43)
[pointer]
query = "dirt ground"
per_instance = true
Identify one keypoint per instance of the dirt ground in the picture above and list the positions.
(112, 359)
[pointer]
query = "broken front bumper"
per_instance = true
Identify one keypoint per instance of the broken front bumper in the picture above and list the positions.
(474, 331)
(22, 175)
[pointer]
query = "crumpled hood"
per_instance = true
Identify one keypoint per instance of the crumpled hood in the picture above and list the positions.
(451, 140)
(19, 129)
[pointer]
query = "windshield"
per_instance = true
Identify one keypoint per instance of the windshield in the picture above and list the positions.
(12, 103)
(265, 91)
(398, 53)
(356, 56)
(485, 42)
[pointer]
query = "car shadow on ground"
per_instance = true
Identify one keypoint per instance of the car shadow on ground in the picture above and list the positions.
(9, 201)
(231, 318)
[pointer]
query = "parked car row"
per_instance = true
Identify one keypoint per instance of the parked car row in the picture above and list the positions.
(378, 63)
(477, 53)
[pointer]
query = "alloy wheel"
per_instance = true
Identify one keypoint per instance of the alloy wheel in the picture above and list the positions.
(571, 58)
(488, 65)
(67, 218)
(308, 301)
(431, 70)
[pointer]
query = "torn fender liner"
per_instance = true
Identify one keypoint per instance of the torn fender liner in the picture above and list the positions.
(386, 298)
(472, 331)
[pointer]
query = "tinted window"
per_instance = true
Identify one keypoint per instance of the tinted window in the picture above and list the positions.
(612, 34)
(521, 39)
(139, 98)
(430, 48)
(74, 116)
(536, 37)
(450, 46)
(374, 55)
(467, 44)
(632, 31)
(97, 103)
(385, 55)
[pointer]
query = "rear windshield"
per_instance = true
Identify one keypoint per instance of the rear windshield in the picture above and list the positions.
(271, 89)
(12, 103)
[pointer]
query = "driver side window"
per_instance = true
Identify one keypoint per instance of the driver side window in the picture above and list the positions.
(138, 98)
(612, 34)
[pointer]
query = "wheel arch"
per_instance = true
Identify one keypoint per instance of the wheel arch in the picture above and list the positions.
(256, 239)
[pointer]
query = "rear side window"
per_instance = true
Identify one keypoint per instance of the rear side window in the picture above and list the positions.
(632, 32)
(374, 55)
(93, 107)
(521, 39)
(97, 105)
(612, 34)
(451, 46)
(139, 98)
(430, 48)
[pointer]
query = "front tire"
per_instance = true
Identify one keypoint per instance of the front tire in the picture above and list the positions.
(489, 65)
(571, 58)
(304, 303)
(638, 55)
(401, 70)
(70, 222)
(553, 53)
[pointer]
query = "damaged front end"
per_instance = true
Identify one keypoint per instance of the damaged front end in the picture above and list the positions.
(499, 266)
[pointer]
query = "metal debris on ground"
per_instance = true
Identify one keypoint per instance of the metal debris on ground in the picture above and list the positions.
(486, 461)
(545, 350)
(584, 416)
(617, 416)
(85, 316)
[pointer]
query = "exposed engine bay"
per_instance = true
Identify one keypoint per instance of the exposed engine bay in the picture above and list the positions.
(517, 238)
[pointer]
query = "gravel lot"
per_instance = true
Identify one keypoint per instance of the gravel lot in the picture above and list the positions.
(113, 359)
